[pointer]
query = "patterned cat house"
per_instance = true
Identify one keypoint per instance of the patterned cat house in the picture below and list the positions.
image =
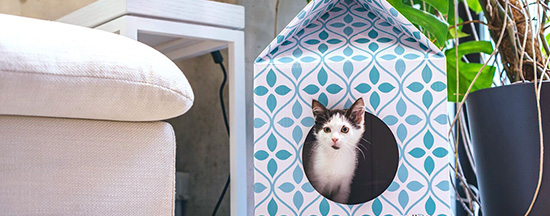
(336, 51)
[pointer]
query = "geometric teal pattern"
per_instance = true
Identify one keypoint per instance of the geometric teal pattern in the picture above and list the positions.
(336, 51)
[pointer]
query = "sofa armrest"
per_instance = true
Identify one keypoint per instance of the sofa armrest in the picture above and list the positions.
(60, 70)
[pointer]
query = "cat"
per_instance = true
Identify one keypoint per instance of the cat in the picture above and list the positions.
(333, 154)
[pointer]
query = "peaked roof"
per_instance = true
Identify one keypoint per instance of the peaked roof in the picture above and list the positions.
(317, 8)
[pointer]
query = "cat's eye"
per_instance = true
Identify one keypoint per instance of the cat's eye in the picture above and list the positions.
(345, 129)
(326, 130)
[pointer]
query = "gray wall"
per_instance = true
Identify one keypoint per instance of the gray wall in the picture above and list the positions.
(259, 32)
(202, 141)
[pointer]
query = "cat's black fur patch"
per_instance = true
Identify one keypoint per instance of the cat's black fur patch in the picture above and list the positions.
(323, 118)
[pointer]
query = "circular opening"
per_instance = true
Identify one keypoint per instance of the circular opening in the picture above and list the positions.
(350, 173)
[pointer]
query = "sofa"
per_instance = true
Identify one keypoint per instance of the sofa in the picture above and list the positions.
(81, 129)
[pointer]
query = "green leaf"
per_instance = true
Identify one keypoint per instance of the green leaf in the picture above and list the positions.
(460, 34)
(427, 21)
(474, 5)
(467, 71)
(441, 5)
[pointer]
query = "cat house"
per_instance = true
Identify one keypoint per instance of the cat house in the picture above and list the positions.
(333, 53)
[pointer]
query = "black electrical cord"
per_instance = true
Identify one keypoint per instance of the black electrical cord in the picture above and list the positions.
(218, 59)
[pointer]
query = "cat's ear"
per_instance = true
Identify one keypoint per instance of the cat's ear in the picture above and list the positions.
(357, 111)
(318, 108)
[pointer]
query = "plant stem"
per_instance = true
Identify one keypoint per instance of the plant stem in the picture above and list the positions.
(276, 18)
(470, 22)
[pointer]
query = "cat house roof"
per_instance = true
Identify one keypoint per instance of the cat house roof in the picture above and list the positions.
(323, 25)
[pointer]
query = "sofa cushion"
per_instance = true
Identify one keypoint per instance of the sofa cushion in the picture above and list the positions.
(59, 70)
(55, 166)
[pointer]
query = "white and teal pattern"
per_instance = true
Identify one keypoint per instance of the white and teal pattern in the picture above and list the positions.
(336, 51)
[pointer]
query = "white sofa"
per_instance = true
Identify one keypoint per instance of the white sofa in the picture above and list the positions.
(79, 122)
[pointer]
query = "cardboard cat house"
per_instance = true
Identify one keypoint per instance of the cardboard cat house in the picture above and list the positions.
(335, 52)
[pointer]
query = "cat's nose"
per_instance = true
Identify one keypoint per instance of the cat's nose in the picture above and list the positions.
(334, 139)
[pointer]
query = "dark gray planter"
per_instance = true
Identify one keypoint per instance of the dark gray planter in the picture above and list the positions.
(504, 130)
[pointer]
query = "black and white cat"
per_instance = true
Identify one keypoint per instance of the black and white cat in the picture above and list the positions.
(333, 155)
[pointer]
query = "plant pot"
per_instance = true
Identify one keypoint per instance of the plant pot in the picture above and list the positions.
(505, 136)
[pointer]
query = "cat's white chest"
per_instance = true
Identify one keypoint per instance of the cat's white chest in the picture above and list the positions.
(335, 166)
(333, 173)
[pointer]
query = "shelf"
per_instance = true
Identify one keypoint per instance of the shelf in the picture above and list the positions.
(191, 11)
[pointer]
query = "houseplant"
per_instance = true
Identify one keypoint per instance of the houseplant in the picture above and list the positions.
(505, 122)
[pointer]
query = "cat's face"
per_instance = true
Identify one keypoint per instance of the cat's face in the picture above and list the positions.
(337, 129)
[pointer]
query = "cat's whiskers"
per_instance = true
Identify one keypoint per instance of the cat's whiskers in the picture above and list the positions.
(361, 151)
(346, 148)
(348, 145)
(368, 142)
(364, 157)
(366, 148)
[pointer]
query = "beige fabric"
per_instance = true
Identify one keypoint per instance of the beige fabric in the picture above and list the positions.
(60, 70)
(52, 166)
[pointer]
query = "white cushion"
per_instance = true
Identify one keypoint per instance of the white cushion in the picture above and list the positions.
(59, 70)
(54, 166)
